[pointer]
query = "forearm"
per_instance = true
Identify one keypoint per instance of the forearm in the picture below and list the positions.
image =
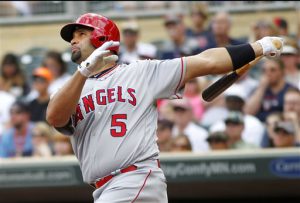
(213, 61)
(64, 102)
(254, 103)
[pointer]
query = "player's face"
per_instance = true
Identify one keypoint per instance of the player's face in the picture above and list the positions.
(81, 45)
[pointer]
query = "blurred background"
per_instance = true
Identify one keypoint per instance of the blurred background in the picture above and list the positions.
(243, 146)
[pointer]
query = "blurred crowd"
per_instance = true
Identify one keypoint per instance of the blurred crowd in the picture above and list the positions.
(261, 110)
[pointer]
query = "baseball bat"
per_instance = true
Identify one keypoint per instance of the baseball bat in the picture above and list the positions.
(226, 81)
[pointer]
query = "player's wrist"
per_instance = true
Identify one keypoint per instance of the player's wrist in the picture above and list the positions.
(258, 49)
(82, 69)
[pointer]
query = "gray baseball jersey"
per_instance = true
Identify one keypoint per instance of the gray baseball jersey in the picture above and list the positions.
(116, 117)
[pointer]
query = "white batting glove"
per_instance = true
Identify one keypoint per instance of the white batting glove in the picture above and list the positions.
(96, 61)
(272, 46)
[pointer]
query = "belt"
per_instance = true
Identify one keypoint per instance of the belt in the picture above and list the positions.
(100, 182)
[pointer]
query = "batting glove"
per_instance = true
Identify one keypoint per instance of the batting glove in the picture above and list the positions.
(96, 61)
(272, 46)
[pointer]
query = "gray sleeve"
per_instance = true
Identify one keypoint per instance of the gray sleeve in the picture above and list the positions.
(165, 77)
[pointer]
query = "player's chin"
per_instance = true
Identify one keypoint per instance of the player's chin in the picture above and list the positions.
(76, 57)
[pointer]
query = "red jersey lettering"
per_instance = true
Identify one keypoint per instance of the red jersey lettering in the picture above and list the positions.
(120, 99)
(110, 95)
(101, 100)
(131, 93)
(88, 103)
(78, 115)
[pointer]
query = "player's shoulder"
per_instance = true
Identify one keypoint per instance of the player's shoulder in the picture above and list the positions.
(138, 64)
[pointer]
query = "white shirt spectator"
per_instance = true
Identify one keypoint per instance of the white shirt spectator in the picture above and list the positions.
(5, 103)
(252, 133)
(197, 136)
(247, 84)
(142, 51)
(58, 83)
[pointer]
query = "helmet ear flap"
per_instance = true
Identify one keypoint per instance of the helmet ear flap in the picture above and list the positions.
(97, 39)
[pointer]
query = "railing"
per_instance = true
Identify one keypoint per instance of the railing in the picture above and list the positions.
(16, 12)
(272, 173)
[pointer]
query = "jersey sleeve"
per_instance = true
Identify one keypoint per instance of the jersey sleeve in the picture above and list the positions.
(165, 77)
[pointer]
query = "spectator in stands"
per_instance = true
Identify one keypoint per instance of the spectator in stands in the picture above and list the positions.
(282, 26)
(234, 128)
(131, 49)
(42, 77)
(12, 78)
(221, 25)
(284, 135)
(192, 92)
(291, 109)
(198, 16)
(164, 135)
(181, 143)
(53, 60)
(271, 120)
(218, 140)
(260, 29)
(263, 28)
(40, 140)
(268, 96)
(248, 84)
(214, 111)
(235, 99)
(17, 140)
(179, 44)
(6, 101)
(183, 120)
(289, 56)
(61, 145)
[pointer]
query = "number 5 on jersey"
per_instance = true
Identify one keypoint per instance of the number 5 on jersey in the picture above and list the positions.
(118, 125)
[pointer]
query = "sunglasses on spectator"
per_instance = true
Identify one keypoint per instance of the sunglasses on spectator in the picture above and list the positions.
(181, 146)
(269, 70)
(282, 132)
(216, 140)
(16, 111)
(232, 123)
(39, 80)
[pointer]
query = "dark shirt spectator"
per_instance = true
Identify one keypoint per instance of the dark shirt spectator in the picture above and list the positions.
(179, 44)
(218, 141)
(38, 107)
(284, 135)
(221, 25)
(198, 16)
(17, 141)
(268, 96)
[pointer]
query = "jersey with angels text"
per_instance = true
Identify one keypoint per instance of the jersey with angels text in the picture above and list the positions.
(116, 118)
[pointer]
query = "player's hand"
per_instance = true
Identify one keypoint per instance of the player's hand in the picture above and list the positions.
(98, 59)
(272, 46)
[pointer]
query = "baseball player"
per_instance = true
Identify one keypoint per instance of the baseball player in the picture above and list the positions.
(108, 108)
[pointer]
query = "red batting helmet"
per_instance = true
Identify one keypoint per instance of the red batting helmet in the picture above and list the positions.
(104, 30)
